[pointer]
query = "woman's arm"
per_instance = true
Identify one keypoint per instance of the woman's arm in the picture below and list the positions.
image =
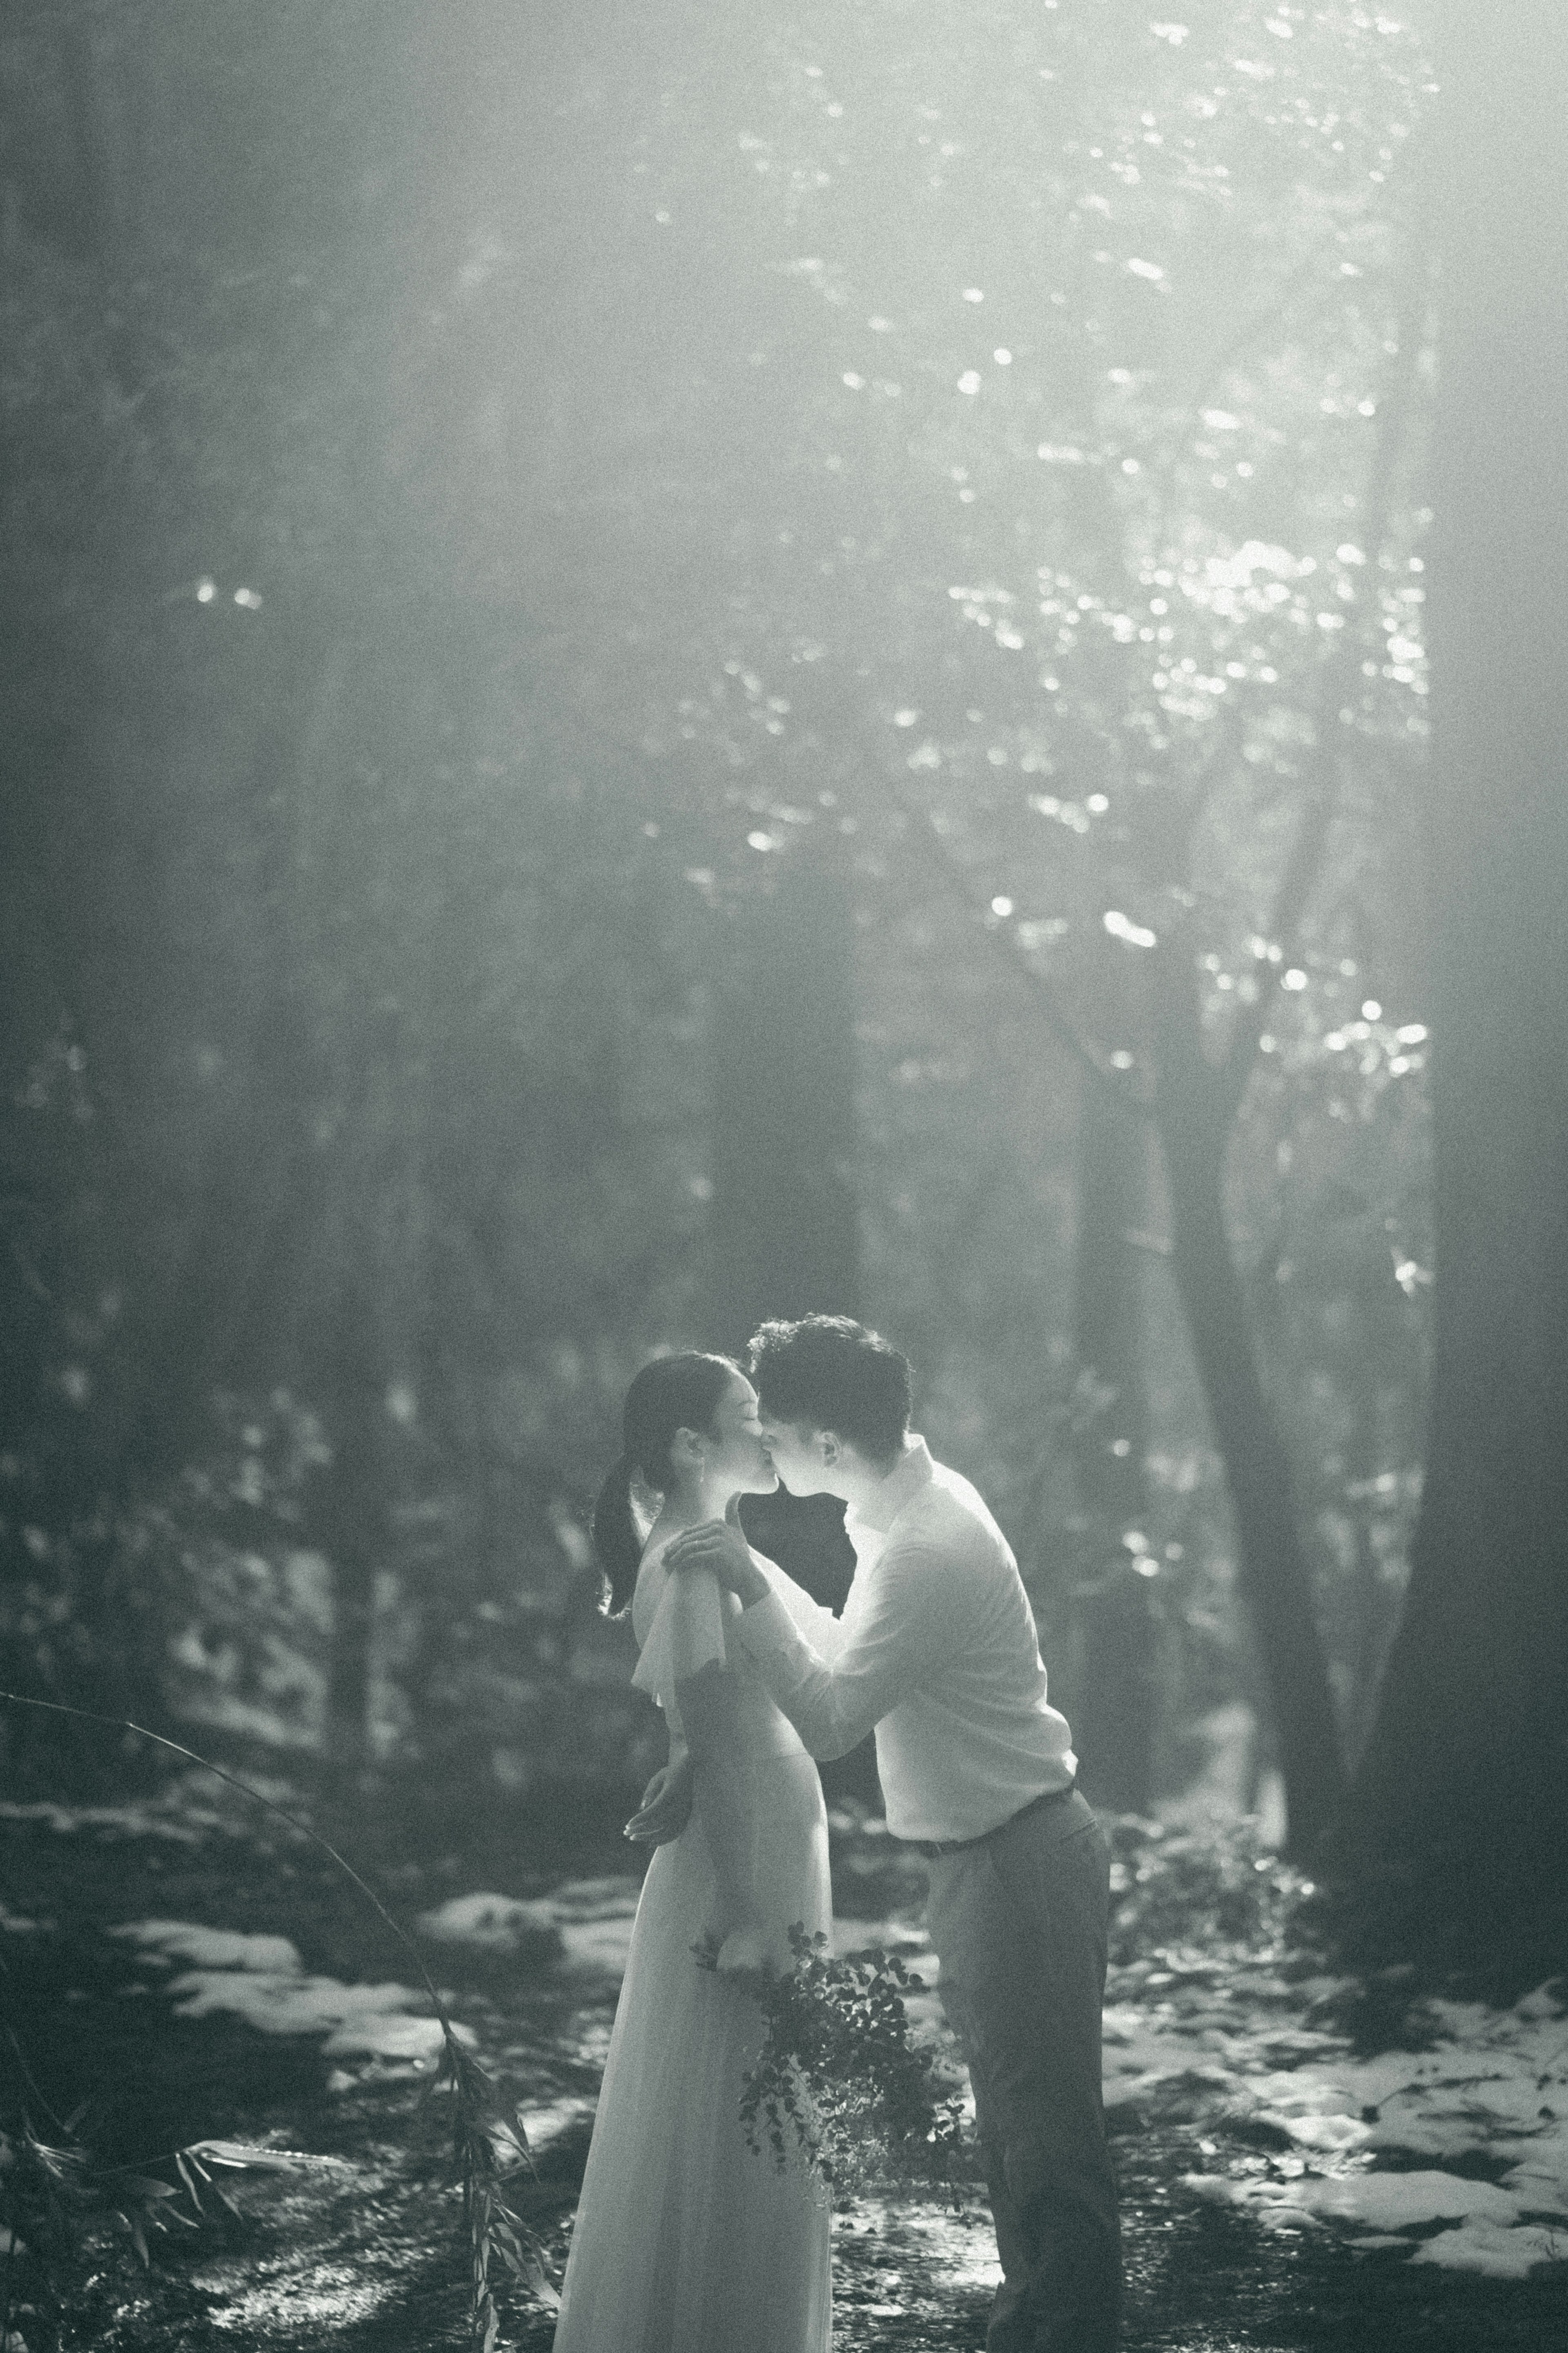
(665, 1807)
(720, 1787)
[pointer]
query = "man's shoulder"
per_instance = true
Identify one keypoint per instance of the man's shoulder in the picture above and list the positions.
(950, 1511)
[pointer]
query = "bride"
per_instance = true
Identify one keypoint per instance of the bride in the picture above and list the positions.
(686, 2241)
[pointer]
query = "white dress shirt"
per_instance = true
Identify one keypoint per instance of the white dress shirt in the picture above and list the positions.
(937, 1650)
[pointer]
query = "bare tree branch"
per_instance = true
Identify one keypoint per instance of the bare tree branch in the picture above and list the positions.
(926, 839)
(1213, 374)
(1305, 862)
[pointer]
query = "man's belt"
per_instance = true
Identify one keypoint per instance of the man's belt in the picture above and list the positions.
(937, 1847)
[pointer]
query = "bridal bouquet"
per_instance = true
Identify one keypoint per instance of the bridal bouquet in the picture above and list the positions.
(840, 2078)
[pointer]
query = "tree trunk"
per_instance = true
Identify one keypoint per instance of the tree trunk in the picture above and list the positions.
(348, 1521)
(1468, 1754)
(1368, 1604)
(784, 1224)
(783, 1235)
(1275, 1581)
(1116, 1713)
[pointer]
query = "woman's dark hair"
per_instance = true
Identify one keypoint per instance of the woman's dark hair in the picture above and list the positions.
(832, 1373)
(679, 1392)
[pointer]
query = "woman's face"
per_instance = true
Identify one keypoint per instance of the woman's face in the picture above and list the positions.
(737, 1460)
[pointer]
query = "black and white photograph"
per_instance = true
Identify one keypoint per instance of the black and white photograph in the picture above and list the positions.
(783, 1176)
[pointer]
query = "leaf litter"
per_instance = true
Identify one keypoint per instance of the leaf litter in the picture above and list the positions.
(1235, 2089)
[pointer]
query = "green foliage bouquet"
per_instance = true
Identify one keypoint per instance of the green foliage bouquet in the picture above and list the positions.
(839, 2077)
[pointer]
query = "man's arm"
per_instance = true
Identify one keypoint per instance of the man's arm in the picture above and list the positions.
(900, 1631)
(897, 1638)
(815, 1623)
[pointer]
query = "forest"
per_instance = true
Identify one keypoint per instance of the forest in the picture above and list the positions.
(670, 665)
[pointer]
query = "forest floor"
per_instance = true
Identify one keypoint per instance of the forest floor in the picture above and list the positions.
(1308, 2156)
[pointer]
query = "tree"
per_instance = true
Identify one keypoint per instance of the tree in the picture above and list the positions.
(325, 976)
(1469, 1761)
(811, 427)
(782, 1237)
(1116, 1708)
(1210, 837)
(782, 1229)
(1098, 242)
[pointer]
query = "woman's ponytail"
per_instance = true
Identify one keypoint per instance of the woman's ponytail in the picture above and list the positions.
(615, 1538)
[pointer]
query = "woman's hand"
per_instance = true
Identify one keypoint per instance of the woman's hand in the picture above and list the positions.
(665, 1806)
(719, 1548)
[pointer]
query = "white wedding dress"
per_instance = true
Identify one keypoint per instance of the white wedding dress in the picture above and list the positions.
(685, 2241)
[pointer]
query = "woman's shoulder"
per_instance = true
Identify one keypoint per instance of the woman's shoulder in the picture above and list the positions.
(678, 1618)
(652, 1578)
(654, 1581)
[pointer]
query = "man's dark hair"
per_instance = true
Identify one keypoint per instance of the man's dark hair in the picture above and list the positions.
(831, 1373)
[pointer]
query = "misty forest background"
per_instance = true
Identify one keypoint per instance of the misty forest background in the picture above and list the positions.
(664, 666)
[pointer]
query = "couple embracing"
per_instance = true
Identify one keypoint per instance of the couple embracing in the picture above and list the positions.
(686, 2242)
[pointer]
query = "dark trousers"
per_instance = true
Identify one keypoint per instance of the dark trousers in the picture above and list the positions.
(1019, 1924)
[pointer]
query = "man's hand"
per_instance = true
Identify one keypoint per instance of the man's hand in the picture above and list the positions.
(718, 1547)
(665, 1807)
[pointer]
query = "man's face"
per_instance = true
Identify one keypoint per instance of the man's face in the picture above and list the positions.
(797, 1453)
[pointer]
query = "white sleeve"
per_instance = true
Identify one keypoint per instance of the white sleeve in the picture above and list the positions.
(686, 1633)
(815, 1624)
(901, 1632)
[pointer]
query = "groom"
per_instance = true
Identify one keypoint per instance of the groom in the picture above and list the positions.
(937, 1650)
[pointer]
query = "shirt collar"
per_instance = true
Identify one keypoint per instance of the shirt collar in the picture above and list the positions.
(899, 1489)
